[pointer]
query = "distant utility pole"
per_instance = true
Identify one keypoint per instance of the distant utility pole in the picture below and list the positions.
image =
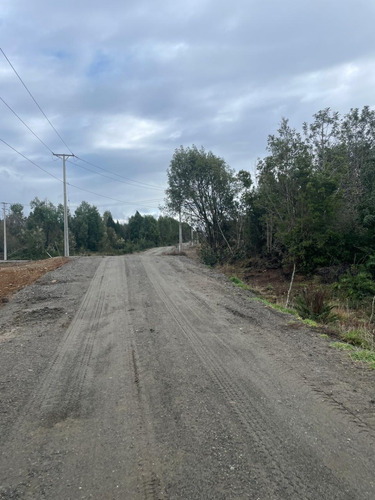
(66, 229)
(5, 230)
(179, 233)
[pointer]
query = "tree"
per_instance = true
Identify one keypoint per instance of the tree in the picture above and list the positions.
(299, 201)
(150, 231)
(135, 227)
(203, 188)
(168, 230)
(44, 215)
(88, 227)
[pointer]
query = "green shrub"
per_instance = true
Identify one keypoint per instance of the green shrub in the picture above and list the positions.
(207, 255)
(356, 285)
(314, 305)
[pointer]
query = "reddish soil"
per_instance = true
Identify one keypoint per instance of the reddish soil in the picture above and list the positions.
(17, 275)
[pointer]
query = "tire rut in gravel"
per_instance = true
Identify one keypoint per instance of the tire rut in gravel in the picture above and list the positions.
(268, 442)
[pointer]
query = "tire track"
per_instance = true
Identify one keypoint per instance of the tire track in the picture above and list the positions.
(267, 444)
(150, 481)
(59, 395)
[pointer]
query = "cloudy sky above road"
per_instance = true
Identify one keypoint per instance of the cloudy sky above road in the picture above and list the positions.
(126, 82)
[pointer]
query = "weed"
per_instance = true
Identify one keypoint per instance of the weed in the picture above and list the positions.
(324, 336)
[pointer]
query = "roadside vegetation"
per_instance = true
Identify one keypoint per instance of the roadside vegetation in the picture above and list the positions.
(41, 234)
(301, 232)
(310, 208)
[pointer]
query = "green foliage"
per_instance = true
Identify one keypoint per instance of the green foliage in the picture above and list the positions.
(203, 188)
(41, 233)
(207, 255)
(88, 227)
(357, 284)
(314, 305)
(356, 353)
(359, 337)
(237, 281)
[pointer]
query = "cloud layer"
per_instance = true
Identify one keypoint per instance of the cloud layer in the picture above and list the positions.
(126, 82)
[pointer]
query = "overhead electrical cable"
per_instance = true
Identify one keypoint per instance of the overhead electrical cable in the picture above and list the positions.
(26, 125)
(33, 98)
(109, 197)
(50, 150)
(130, 181)
(151, 186)
(73, 185)
(103, 175)
(31, 161)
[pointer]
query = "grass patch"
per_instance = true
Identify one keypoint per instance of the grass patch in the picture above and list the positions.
(310, 322)
(263, 301)
(357, 353)
(278, 307)
(359, 337)
(236, 281)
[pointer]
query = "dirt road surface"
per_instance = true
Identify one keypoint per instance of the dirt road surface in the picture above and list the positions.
(150, 376)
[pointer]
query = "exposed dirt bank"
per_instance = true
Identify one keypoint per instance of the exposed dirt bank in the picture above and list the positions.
(14, 275)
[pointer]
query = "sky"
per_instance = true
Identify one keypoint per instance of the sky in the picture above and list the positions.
(125, 83)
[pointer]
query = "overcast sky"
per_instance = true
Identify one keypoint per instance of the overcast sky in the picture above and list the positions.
(126, 82)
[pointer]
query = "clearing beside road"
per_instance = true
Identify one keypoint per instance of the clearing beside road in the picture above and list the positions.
(14, 275)
(150, 376)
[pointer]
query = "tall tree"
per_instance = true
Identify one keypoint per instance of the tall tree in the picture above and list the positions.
(202, 187)
(88, 227)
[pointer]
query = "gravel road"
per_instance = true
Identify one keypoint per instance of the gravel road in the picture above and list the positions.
(150, 376)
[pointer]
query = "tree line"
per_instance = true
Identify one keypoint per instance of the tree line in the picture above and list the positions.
(311, 202)
(41, 233)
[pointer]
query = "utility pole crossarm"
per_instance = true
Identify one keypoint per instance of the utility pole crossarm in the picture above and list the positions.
(66, 229)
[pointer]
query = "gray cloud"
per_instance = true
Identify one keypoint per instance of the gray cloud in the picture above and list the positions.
(126, 82)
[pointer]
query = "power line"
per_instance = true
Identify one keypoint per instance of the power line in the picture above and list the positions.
(31, 161)
(104, 175)
(134, 182)
(110, 198)
(33, 98)
(73, 185)
(26, 125)
(151, 186)
(50, 150)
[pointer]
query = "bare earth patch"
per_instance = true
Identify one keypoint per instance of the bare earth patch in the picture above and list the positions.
(17, 275)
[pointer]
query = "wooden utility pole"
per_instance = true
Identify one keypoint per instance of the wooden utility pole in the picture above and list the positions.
(5, 230)
(66, 228)
(179, 233)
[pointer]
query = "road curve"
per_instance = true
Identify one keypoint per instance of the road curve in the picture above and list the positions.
(171, 384)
